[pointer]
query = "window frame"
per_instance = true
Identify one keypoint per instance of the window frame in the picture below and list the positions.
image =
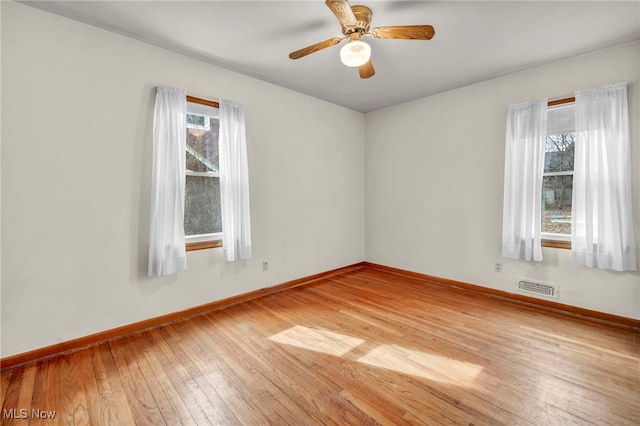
(203, 241)
(551, 240)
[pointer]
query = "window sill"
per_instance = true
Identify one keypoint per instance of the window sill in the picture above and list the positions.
(201, 245)
(557, 244)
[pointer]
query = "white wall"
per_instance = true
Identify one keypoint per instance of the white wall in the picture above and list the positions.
(77, 109)
(434, 182)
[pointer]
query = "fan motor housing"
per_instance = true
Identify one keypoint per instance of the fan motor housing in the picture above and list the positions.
(363, 18)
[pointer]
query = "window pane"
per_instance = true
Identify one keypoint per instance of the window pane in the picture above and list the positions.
(195, 121)
(561, 119)
(559, 152)
(556, 204)
(202, 205)
(202, 145)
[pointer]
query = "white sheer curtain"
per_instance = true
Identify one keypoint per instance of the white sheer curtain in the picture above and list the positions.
(523, 167)
(234, 183)
(167, 253)
(602, 233)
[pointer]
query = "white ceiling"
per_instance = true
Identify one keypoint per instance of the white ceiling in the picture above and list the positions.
(474, 40)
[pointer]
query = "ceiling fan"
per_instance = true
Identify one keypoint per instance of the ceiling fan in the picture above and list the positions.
(355, 21)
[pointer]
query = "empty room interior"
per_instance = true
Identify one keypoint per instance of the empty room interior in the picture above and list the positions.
(391, 212)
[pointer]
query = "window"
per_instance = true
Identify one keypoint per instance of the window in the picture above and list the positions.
(598, 225)
(202, 214)
(557, 180)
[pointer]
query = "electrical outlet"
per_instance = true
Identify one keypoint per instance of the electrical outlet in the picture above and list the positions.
(497, 267)
(265, 265)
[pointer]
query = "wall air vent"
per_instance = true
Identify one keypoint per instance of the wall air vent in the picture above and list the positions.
(540, 289)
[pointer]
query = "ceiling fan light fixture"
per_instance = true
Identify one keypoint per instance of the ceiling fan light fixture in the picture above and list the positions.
(355, 53)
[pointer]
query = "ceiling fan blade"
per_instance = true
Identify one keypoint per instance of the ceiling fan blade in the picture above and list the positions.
(315, 47)
(343, 12)
(407, 32)
(366, 70)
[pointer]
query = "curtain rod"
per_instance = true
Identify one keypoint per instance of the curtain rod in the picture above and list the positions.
(201, 101)
(561, 101)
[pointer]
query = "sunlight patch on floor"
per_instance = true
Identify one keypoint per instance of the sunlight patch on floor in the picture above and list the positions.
(390, 357)
(317, 340)
(417, 363)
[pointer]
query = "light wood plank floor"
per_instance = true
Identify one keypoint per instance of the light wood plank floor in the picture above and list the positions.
(365, 347)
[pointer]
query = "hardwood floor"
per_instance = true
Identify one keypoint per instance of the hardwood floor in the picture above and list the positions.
(365, 347)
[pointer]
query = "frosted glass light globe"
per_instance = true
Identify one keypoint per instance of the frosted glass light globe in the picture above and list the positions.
(355, 53)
